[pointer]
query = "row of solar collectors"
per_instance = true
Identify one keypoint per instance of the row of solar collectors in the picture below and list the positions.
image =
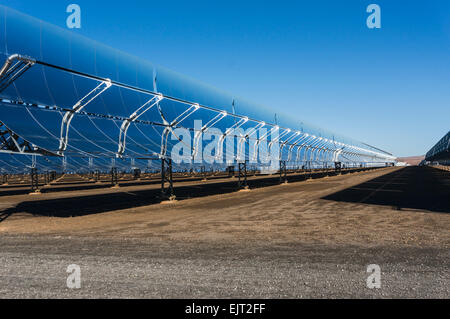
(21, 164)
(100, 136)
(440, 151)
(98, 130)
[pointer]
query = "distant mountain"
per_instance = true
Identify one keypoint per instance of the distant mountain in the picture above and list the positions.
(411, 160)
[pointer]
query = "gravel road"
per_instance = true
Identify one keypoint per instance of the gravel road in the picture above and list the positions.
(35, 267)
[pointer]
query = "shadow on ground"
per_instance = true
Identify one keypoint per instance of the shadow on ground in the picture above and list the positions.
(14, 190)
(100, 203)
(414, 187)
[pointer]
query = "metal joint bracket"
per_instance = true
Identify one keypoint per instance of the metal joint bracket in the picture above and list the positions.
(14, 67)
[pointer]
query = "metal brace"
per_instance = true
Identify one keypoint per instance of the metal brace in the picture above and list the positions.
(167, 177)
(230, 130)
(169, 128)
(293, 136)
(12, 71)
(258, 141)
(204, 129)
(294, 144)
(248, 136)
(13, 144)
(242, 177)
(134, 117)
(275, 140)
(78, 107)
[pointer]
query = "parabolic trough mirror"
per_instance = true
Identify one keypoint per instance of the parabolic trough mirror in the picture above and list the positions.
(63, 95)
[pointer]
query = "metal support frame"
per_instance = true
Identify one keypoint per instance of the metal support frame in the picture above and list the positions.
(91, 164)
(261, 138)
(228, 132)
(114, 177)
(203, 172)
(34, 180)
(230, 171)
(133, 118)
(64, 164)
(294, 144)
(328, 154)
(242, 181)
(47, 178)
(204, 129)
(338, 167)
(5, 179)
(14, 144)
(14, 67)
(307, 159)
(313, 147)
(169, 126)
(292, 137)
(319, 148)
(243, 138)
(320, 155)
(167, 177)
(266, 135)
(283, 173)
(298, 157)
(53, 176)
(301, 147)
(77, 108)
(283, 144)
(336, 155)
(278, 138)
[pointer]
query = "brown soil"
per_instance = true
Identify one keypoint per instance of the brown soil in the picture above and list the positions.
(317, 211)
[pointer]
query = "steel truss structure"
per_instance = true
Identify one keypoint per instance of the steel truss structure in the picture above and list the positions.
(13, 143)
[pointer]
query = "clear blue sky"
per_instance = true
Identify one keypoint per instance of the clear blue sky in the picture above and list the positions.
(389, 87)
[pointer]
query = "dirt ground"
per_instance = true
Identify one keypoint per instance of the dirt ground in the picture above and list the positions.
(310, 239)
(297, 212)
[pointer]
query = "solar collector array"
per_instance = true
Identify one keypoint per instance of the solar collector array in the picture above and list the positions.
(49, 92)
